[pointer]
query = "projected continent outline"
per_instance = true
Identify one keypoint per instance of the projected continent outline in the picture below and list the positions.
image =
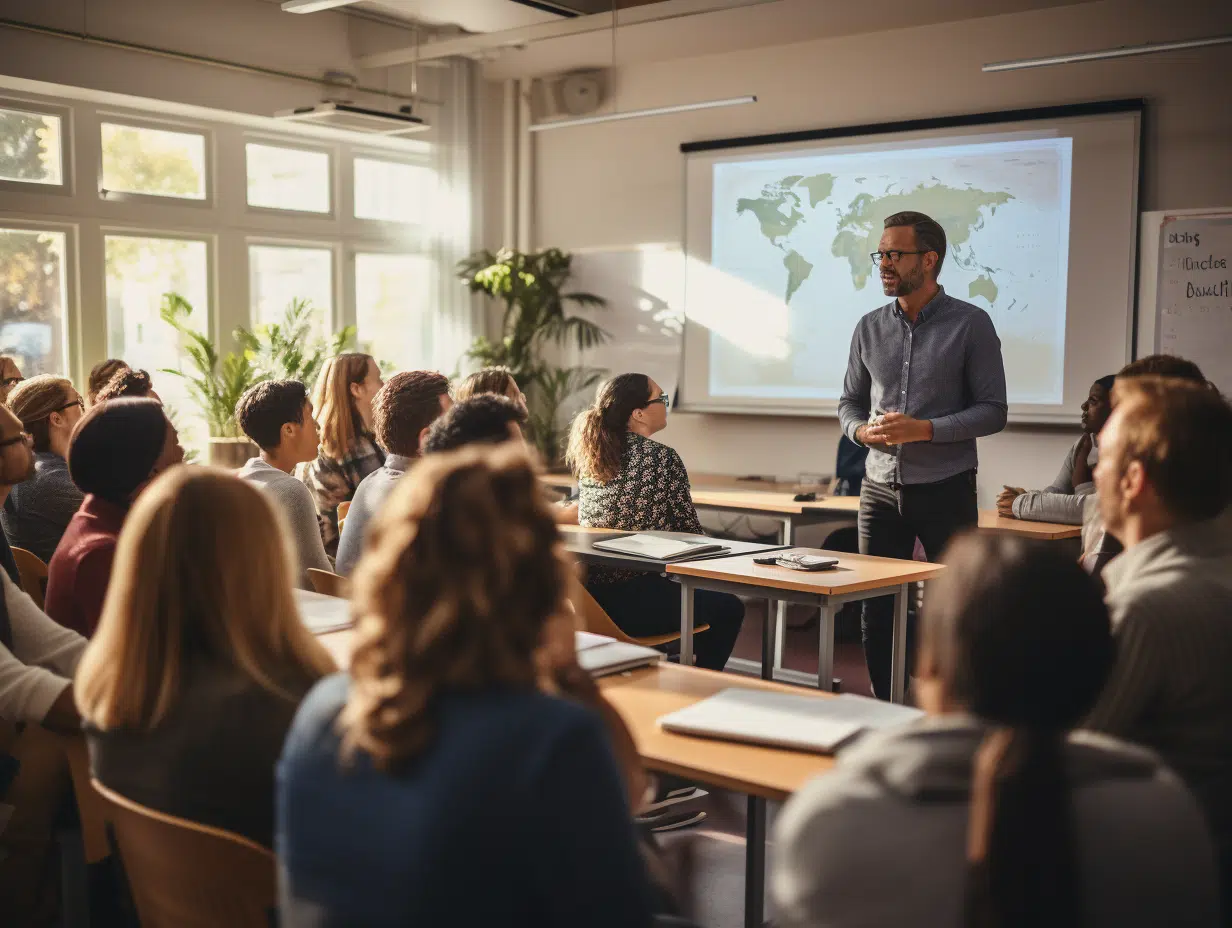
(801, 229)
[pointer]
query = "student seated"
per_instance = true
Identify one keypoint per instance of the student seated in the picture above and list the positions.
(402, 412)
(277, 416)
(10, 376)
(100, 375)
(127, 382)
(495, 380)
(1165, 491)
(38, 510)
(484, 419)
(630, 482)
(190, 683)
(349, 452)
(990, 812)
(440, 760)
(37, 661)
(117, 448)
(1098, 546)
(1062, 500)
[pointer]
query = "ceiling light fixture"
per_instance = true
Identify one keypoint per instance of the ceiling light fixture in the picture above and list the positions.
(637, 114)
(313, 6)
(1124, 51)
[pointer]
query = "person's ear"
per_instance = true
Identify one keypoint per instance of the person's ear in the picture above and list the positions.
(1134, 483)
(423, 436)
(355, 389)
(287, 431)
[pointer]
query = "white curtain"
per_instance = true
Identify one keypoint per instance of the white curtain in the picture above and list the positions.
(455, 228)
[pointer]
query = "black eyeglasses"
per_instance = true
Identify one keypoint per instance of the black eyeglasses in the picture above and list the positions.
(11, 381)
(661, 398)
(79, 402)
(894, 256)
(20, 436)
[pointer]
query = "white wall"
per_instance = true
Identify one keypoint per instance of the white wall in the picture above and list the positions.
(622, 183)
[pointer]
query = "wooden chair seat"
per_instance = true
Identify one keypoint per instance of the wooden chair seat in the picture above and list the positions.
(185, 875)
(33, 573)
(329, 584)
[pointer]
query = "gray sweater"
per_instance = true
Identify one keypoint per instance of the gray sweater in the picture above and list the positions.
(300, 512)
(880, 842)
(1061, 501)
(370, 495)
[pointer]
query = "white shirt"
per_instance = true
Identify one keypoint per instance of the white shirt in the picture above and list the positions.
(43, 660)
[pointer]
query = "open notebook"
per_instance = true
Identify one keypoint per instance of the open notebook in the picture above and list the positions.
(658, 548)
(806, 723)
(600, 656)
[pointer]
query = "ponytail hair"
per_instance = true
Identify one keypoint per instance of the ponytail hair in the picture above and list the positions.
(1020, 636)
(598, 436)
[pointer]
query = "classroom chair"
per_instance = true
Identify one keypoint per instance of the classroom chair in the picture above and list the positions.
(595, 619)
(329, 584)
(185, 875)
(33, 574)
(343, 509)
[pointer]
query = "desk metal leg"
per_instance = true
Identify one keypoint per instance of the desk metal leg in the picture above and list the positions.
(755, 864)
(825, 647)
(686, 623)
(787, 536)
(898, 652)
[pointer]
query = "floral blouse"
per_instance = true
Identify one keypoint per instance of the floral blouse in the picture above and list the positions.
(333, 481)
(650, 494)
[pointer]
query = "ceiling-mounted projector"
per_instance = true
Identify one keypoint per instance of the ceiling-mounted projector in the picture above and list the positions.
(354, 118)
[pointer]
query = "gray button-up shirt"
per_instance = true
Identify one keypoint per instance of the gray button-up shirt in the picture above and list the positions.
(946, 367)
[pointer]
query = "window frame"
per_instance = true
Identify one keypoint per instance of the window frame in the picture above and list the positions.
(72, 350)
(362, 154)
(114, 118)
(67, 171)
(337, 295)
(333, 156)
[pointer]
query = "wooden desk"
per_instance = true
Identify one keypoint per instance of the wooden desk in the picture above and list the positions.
(857, 577)
(991, 521)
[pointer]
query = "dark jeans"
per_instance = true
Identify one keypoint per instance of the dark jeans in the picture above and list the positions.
(890, 521)
(649, 604)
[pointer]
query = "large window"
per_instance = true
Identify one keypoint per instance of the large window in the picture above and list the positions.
(140, 271)
(288, 178)
(279, 274)
(392, 191)
(30, 147)
(154, 162)
(32, 299)
(392, 309)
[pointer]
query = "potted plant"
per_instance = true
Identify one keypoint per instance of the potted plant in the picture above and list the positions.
(216, 382)
(287, 350)
(532, 288)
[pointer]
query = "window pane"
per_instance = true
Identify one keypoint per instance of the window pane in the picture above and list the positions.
(278, 275)
(139, 272)
(288, 178)
(32, 289)
(156, 162)
(391, 308)
(391, 191)
(30, 147)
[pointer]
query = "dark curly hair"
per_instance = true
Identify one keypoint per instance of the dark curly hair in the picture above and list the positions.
(265, 408)
(483, 419)
(125, 382)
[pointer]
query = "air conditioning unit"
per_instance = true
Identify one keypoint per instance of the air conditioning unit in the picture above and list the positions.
(578, 93)
(353, 118)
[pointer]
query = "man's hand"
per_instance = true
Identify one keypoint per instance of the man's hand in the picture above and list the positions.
(1005, 500)
(894, 428)
(863, 438)
(1082, 470)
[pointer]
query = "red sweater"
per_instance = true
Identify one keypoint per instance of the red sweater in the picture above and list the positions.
(80, 570)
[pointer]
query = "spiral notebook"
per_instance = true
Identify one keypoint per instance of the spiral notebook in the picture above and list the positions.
(658, 548)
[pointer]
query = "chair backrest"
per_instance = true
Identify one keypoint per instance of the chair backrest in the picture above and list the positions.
(343, 509)
(33, 573)
(329, 584)
(594, 617)
(185, 875)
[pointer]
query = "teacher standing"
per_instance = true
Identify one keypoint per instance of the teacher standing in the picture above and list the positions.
(924, 380)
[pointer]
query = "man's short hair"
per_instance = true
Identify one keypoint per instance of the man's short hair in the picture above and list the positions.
(125, 382)
(265, 408)
(483, 419)
(929, 236)
(409, 402)
(1163, 365)
(1181, 433)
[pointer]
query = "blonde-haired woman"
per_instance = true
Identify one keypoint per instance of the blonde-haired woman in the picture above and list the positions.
(498, 380)
(441, 756)
(342, 399)
(200, 657)
(38, 510)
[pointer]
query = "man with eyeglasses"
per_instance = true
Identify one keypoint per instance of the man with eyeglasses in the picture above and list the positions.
(924, 380)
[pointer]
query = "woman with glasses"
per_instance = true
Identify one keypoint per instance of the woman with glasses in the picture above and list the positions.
(38, 510)
(342, 399)
(631, 482)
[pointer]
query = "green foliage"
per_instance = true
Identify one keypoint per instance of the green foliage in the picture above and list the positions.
(287, 350)
(216, 381)
(532, 289)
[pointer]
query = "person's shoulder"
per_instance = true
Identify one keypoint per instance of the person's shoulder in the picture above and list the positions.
(316, 719)
(880, 316)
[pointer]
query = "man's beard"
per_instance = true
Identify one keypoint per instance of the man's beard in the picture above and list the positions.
(901, 286)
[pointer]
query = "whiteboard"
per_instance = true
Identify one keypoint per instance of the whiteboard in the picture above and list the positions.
(1185, 301)
(644, 318)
